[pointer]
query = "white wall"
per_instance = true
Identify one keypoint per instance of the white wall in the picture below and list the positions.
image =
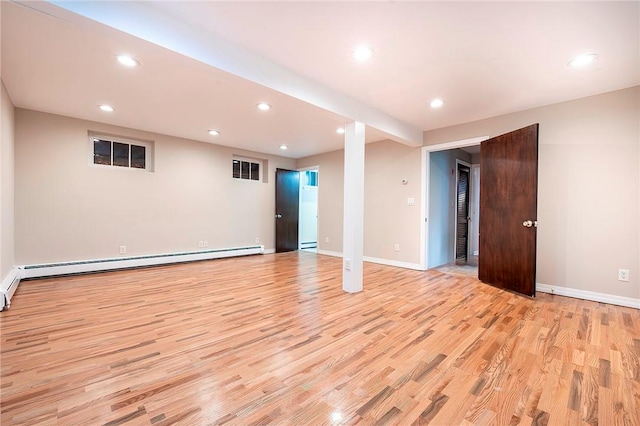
(67, 209)
(6, 185)
(388, 219)
(588, 188)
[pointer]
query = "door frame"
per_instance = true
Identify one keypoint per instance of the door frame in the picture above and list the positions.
(304, 169)
(474, 198)
(424, 184)
(455, 211)
(276, 211)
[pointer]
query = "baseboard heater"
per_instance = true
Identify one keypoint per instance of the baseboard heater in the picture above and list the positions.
(308, 244)
(8, 287)
(84, 266)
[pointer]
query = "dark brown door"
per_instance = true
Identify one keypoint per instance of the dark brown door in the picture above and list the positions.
(508, 206)
(287, 209)
(462, 215)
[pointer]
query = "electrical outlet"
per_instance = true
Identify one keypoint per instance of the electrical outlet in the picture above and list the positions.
(396, 247)
(411, 201)
(206, 243)
(257, 240)
(200, 244)
(123, 249)
(326, 240)
(347, 264)
(623, 275)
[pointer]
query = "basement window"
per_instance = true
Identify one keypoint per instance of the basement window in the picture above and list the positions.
(247, 169)
(109, 151)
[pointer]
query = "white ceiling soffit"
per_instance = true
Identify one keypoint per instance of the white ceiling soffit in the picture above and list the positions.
(145, 21)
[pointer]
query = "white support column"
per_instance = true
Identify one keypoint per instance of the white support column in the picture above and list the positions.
(353, 224)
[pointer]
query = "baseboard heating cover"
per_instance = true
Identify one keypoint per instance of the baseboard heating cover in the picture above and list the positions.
(97, 265)
(8, 287)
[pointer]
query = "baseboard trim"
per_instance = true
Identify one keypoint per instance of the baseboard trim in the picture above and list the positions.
(8, 287)
(397, 264)
(379, 261)
(330, 253)
(628, 302)
(98, 265)
(269, 251)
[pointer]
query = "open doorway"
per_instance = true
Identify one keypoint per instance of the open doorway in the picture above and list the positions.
(508, 193)
(309, 209)
(453, 210)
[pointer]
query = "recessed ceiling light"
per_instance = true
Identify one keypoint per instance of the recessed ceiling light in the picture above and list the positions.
(362, 53)
(582, 60)
(214, 132)
(340, 130)
(264, 106)
(283, 147)
(127, 61)
(106, 108)
(437, 103)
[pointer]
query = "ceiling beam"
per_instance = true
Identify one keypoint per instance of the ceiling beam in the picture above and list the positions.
(150, 23)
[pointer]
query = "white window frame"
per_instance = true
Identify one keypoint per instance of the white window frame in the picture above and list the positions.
(257, 161)
(148, 152)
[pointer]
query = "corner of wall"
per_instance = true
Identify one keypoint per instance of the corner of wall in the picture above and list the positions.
(7, 246)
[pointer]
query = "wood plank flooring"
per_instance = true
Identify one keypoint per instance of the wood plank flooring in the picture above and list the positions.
(274, 340)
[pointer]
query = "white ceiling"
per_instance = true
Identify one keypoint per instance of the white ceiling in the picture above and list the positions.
(483, 58)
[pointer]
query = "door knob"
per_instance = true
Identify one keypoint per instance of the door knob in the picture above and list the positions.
(278, 216)
(527, 223)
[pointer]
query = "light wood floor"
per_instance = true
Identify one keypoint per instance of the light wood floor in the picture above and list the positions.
(274, 340)
(470, 271)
